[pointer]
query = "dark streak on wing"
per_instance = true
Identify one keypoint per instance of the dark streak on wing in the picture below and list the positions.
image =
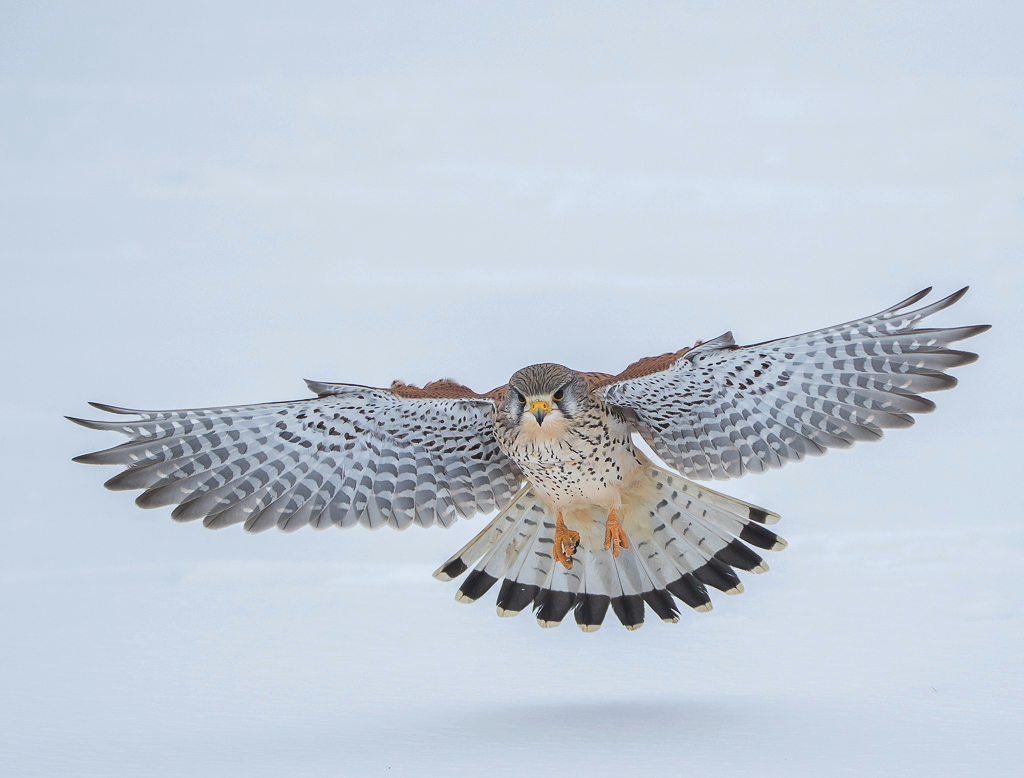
(719, 410)
(352, 454)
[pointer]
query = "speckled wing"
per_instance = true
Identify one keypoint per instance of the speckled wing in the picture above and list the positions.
(719, 410)
(353, 455)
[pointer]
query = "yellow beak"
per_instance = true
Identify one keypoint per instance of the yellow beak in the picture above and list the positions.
(540, 408)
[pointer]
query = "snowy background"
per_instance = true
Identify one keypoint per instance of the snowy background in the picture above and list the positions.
(204, 203)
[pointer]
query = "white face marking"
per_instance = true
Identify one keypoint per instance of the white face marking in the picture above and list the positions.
(553, 426)
(585, 459)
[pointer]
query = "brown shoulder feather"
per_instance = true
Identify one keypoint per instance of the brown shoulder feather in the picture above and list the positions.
(444, 389)
(449, 389)
(642, 367)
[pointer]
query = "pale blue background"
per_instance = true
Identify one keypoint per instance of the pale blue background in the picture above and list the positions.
(204, 203)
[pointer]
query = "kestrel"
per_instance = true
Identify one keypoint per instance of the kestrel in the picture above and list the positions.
(584, 519)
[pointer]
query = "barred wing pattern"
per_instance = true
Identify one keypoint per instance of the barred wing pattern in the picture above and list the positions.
(722, 410)
(353, 455)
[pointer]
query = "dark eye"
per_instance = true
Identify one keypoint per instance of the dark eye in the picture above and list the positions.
(559, 395)
(522, 400)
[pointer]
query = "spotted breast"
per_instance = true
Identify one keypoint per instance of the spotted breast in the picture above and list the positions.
(588, 460)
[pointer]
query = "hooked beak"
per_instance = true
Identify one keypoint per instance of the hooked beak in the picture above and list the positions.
(539, 408)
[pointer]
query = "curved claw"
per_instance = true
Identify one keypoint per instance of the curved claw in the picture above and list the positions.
(566, 543)
(614, 537)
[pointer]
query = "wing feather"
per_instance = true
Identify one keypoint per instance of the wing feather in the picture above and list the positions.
(719, 410)
(352, 455)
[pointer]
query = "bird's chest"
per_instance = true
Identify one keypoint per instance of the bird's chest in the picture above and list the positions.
(588, 464)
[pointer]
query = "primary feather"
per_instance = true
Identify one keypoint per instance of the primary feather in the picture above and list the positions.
(721, 410)
(353, 456)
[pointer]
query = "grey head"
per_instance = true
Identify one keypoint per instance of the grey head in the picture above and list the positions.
(541, 394)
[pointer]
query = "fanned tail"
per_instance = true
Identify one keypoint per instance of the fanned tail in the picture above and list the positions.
(683, 538)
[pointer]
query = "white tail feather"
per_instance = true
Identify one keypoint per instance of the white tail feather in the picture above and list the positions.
(682, 536)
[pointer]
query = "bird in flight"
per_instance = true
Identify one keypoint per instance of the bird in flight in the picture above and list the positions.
(585, 521)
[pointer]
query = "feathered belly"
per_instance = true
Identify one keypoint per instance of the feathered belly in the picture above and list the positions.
(584, 482)
(629, 497)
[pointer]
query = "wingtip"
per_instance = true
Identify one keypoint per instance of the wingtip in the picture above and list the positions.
(113, 409)
(914, 298)
(319, 388)
(941, 305)
(87, 423)
(955, 297)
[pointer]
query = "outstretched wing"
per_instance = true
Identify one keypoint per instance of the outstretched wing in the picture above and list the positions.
(720, 410)
(353, 455)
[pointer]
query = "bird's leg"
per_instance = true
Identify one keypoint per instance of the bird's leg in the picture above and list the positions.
(566, 542)
(614, 537)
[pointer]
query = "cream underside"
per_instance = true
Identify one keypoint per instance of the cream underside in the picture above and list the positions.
(629, 501)
(598, 498)
(632, 512)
